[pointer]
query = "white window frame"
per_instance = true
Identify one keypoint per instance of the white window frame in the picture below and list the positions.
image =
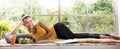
(117, 16)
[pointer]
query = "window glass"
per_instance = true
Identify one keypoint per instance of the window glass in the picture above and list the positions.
(101, 24)
(101, 7)
(75, 23)
(75, 7)
(47, 20)
(49, 7)
(15, 7)
(79, 15)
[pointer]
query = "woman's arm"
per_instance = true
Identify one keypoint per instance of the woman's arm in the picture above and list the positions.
(17, 27)
(49, 33)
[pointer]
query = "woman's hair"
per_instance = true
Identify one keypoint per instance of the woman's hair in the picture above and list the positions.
(24, 17)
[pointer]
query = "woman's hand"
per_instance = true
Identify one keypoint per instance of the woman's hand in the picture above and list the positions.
(34, 40)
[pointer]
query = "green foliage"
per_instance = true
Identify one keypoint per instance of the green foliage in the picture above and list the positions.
(102, 7)
(95, 23)
(101, 24)
(79, 7)
(22, 29)
(36, 9)
(77, 23)
(4, 26)
(47, 20)
(16, 7)
(65, 20)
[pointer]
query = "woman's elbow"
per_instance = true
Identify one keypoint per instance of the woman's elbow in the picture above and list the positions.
(50, 33)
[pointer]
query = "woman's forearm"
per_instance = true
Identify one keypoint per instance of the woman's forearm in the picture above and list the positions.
(17, 27)
(46, 36)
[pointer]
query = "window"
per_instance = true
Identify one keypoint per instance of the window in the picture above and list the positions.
(94, 16)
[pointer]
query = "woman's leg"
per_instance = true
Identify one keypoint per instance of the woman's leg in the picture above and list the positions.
(63, 32)
(87, 35)
(99, 36)
(7, 37)
(105, 37)
(110, 36)
(115, 36)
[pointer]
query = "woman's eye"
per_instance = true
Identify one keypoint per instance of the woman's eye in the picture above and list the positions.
(26, 22)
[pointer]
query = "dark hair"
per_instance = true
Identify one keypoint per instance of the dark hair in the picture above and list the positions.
(24, 17)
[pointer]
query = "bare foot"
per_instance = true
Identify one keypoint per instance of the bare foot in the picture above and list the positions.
(105, 37)
(115, 36)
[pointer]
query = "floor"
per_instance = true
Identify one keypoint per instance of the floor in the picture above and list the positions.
(4, 45)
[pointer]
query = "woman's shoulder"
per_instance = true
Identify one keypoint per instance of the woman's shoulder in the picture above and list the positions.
(39, 23)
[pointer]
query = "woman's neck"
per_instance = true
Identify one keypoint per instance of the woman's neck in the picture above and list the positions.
(33, 30)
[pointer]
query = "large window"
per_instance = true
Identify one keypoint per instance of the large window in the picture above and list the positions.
(93, 16)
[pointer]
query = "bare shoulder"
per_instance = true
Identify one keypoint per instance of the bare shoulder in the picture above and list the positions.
(40, 23)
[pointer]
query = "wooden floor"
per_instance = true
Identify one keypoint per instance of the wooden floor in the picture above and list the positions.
(51, 45)
(64, 47)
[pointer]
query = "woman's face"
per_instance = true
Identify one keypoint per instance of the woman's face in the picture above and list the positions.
(28, 23)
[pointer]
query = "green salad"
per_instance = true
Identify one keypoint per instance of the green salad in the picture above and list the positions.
(24, 40)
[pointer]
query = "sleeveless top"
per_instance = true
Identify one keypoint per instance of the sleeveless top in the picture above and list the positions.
(40, 32)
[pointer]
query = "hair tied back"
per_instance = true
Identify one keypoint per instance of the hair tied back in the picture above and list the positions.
(22, 15)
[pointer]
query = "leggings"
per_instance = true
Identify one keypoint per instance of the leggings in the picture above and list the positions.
(63, 32)
(89, 35)
(18, 36)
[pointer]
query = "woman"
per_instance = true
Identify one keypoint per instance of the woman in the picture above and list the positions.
(36, 31)
(39, 31)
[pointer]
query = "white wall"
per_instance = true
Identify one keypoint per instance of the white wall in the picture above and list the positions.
(117, 13)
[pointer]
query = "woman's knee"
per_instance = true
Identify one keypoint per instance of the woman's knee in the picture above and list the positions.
(7, 37)
(58, 24)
